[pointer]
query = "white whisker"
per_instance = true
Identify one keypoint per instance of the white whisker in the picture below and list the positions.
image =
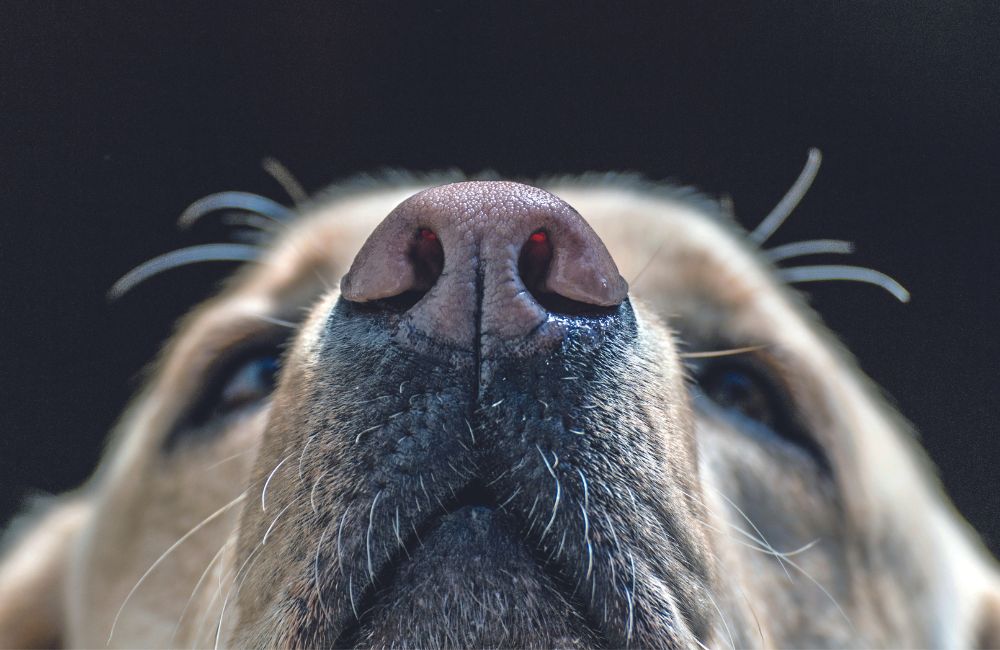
(261, 207)
(234, 588)
(179, 258)
(271, 319)
(809, 247)
(269, 528)
(823, 589)
(722, 617)
(316, 586)
(227, 459)
(166, 553)
(822, 273)
(763, 540)
(783, 559)
(286, 179)
(586, 523)
(234, 201)
(787, 204)
(197, 586)
(265, 225)
(340, 534)
(263, 492)
(312, 492)
(720, 353)
(755, 543)
(203, 619)
(302, 456)
(368, 536)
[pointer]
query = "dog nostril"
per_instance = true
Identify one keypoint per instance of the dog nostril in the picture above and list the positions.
(533, 267)
(533, 264)
(427, 258)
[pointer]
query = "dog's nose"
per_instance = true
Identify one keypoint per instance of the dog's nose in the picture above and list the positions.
(484, 260)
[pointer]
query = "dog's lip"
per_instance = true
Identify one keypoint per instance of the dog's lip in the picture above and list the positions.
(463, 512)
(388, 577)
(474, 496)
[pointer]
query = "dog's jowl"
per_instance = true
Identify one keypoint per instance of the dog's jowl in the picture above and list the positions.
(487, 414)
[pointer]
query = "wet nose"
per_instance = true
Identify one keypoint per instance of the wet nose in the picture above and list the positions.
(484, 260)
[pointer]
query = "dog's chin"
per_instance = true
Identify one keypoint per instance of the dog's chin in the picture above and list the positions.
(472, 581)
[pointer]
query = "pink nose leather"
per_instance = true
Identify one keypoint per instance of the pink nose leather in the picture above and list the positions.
(483, 230)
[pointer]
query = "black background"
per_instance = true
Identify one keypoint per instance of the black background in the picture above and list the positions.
(115, 117)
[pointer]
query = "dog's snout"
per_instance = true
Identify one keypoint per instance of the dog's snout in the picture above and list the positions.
(484, 259)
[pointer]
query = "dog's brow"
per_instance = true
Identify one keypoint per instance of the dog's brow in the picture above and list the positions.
(218, 327)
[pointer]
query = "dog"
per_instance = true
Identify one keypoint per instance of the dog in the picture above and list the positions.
(432, 412)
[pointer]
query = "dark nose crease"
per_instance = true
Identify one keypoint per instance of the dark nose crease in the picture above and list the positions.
(478, 264)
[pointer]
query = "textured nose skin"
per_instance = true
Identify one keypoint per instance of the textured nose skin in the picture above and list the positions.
(483, 230)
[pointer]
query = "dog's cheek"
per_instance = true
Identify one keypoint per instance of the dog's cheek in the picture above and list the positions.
(33, 573)
(987, 627)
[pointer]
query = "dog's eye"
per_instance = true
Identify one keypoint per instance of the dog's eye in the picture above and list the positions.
(749, 393)
(237, 382)
(741, 390)
(248, 383)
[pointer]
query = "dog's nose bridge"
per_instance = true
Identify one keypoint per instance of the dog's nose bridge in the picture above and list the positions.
(482, 253)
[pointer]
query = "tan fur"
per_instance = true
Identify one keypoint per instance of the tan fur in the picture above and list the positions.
(891, 563)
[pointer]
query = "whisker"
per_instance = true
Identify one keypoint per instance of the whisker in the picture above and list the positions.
(823, 272)
(755, 543)
(182, 257)
(312, 492)
(256, 238)
(302, 455)
(197, 586)
(316, 584)
(722, 617)
(784, 558)
(271, 527)
(555, 503)
(227, 459)
(263, 492)
(275, 226)
(823, 589)
(237, 201)
(787, 204)
(656, 253)
(166, 553)
(207, 610)
(709, 354)
(809, 247)
(252, 220)
(753, 612)
(586, 523)
(763, 540)
(340, 534)
(368, 537)
(236, 586)
(280, 322)
(286, 179)
(630, 593)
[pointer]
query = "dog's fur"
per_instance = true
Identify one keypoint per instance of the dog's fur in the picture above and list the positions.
(667, 523)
